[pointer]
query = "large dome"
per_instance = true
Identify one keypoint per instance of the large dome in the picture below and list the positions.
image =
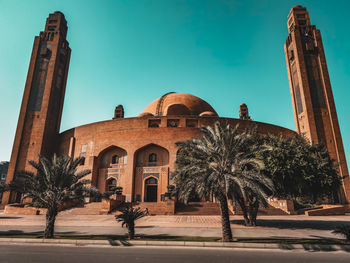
(178, 104)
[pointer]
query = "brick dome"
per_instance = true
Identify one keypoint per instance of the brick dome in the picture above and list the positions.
(178, 104)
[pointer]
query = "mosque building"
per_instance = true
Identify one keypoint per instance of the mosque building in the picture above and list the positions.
(138, 153)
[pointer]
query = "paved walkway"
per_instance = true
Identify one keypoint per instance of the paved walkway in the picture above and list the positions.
(209, 226)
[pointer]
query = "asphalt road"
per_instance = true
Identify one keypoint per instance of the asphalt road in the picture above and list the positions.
(52, 254)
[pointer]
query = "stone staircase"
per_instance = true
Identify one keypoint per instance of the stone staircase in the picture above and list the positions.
(268, 211)
(157, 208)
(93, 208)
(198, 208)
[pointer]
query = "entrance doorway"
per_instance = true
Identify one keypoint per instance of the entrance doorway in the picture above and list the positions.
(151, 190)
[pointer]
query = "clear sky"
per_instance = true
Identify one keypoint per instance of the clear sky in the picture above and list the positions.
(132, 52)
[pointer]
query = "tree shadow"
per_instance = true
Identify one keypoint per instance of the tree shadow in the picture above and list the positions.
(36, 234)
(295, 224)
(10, 217)
(316, 247)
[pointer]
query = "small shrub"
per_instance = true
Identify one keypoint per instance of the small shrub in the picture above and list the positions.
(119, 190)
(343, 230)
(128, 217)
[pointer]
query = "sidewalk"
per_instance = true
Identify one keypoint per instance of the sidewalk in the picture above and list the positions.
(173, 244)
(204, 226)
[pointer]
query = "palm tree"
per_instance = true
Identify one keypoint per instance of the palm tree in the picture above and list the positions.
(255, 187)
(55, 182)
(128, 217)
(213, 165)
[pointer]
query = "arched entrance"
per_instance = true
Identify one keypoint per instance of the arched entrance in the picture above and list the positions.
(111, 165)
(151, 190)
(151, 176)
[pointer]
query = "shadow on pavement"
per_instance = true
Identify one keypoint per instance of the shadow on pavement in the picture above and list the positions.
(113, 243)
(296, 224)
(125, 243)
(316, 247)
(16, 232)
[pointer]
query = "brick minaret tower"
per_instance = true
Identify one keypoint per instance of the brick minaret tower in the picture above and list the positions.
(40, 115)
(312, 98)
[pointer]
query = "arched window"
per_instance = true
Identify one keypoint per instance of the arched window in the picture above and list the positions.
(151, 180)
(115, 159)
(152, 158)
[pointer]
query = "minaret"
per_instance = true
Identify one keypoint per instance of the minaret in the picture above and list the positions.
(40, 115)
(312, 98)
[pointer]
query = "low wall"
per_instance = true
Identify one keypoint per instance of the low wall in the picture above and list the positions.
(327, 210)
(108, 205)
(275, 207)
(285, 205)
(15, 209)
(23, 209)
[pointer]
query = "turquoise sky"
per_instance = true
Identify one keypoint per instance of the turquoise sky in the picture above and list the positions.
(132, 52)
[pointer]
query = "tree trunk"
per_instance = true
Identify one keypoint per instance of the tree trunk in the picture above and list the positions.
(50, 222)
(225, 219)
(131, 231)
(244, 211)
(253, 212)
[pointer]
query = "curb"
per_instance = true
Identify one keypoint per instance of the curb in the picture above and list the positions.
(124, 243)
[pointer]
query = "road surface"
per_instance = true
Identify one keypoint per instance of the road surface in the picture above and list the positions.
(53, 254)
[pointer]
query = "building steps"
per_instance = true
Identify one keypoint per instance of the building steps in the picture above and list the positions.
(93, 208)
(198, 208)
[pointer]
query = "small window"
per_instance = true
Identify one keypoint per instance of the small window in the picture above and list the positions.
(82, 155)
(82, 162)
(300, 15)
(173, 123)
(191, 123)
(302, 22)
(115, 159)
(51, 28)
(83, 148)
(52, 21)
(153, 123)
(291, 27)
(152, 158)
(291, 55)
